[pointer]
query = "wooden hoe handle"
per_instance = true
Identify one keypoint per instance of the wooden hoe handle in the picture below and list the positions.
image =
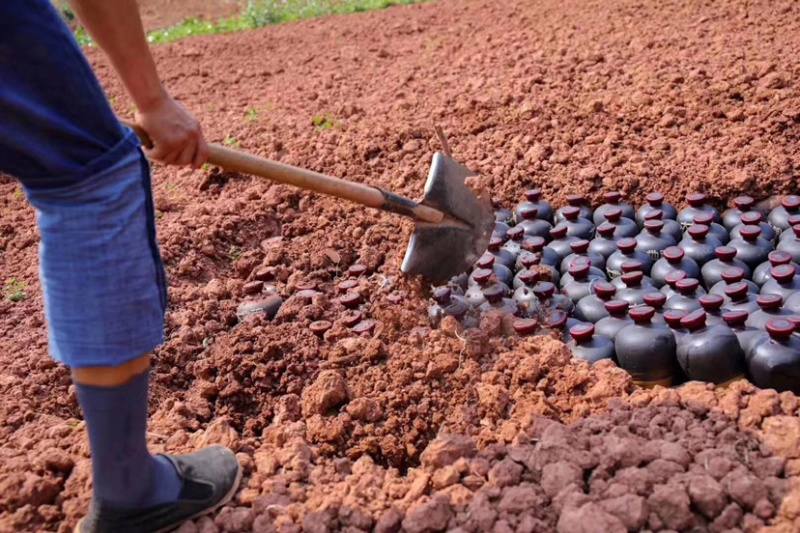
(244, 163)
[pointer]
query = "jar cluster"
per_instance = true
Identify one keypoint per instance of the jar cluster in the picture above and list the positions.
(670, 294)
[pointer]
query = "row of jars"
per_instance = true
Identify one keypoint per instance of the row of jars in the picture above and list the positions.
(555, 277)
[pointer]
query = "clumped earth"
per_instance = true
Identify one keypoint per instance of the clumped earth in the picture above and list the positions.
(399, 426)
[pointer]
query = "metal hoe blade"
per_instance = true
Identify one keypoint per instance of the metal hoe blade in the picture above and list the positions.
(441, 251)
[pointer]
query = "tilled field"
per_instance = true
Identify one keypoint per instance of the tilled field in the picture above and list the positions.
(401, 427)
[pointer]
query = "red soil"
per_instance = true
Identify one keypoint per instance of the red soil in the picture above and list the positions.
(571, 96)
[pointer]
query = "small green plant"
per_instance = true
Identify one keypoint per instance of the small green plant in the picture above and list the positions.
(206, 167)
(15, 290)
(171, 187)
(252, 115)
(325, 122)
(159, 215)
(232, 142)
(235, 252)
(18, 194)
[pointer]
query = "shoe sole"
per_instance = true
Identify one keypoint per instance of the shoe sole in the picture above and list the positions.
(228, 497)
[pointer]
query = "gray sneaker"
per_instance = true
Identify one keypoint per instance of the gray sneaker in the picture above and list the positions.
(210, 479)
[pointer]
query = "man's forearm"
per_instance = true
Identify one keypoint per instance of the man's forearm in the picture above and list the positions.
(117, 28)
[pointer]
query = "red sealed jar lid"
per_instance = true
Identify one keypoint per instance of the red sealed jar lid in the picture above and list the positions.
(656, 300)
(733, 275)
(712, 302)
(582, 332)
(794, 220)
(535, 243)
(780, 329)
(633, 279)
(783, 273)
(529, 277)
(673, 254)
(735, 318)
(533, 195)
(769, 301)
(791, 202)
(530, 213)
(743, 202)
(654, 226)
(581, 246)
(579, 269)
(612, 197)
(442, 295)
(576, 200)
(736, 290)
(357, 270)
(750, 233)
(696, 199)
(698, 231)
(631, 265)
(725, 253)
(694, 320)
(687, 285)
(604, 289)
(614, 214)
(673, 317)
(606, 230)
(482, 275)
(516, 233)
(544, 290)
(655, 214)
(779, 257)
(751, 218)
(655, 199)
(559, 232)
(486, 261)
(557, 319)
(495, 243)
(525, 326)
(571, 212)
(642, 314)
(627, 245)
(674, 277)
(617, 307)
(704, 218)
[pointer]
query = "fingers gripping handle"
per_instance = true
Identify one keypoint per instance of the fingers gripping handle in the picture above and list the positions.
(313, 181)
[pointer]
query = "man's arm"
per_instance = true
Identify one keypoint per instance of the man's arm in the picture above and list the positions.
(117, 28)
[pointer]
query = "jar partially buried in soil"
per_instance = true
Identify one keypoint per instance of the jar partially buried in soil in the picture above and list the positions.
(503, 274)
(526, 327)
(751, 248)
(653, 241)
(729, 277)
(502, 256)
(525, 277)
(588, 346)
(578, 201)
(580, 248)
(581, 284)
(616, 320)
(496, 301)
(715, 230)
(688, 297)
(634, 290)
(655, 200)
(726, 258)
(612, 199)
(561, 323)
(779, 217)
(483, 279)
(627, 251)
(646, 350)
(739, 298)
(673, 318)
(674, 259)
(698, 203)
(785, 282)
(710, 352)
(623, 227)
(754, 218)
(534, 199)
(763, 272)
(775, 361)
(671, 227)
(769, 308)
(548, 255)
(747, 335)
(533, 225)
(604, 242)
(733, 216)
(548, 298)
(561, 242)
(699, 245)
(576, 225)
(525, 296)
(592, 308)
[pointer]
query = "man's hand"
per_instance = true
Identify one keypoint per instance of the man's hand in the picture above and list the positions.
(176, 135)
(117, 28)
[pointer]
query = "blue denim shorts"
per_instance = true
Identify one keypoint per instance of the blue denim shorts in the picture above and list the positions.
(85, 174)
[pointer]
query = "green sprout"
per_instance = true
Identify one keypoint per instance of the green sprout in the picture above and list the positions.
(325, 122)
(252, 115)
(231, 141)
(15, 290)
(235, 252)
